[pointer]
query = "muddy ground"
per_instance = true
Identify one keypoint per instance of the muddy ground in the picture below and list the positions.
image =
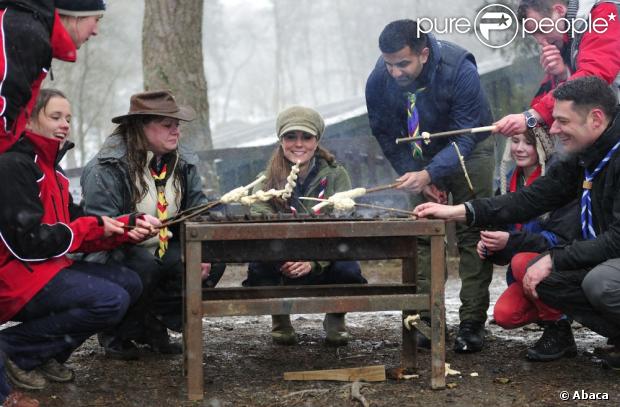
(243, 367)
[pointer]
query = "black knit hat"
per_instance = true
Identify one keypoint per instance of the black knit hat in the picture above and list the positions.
(80, 8)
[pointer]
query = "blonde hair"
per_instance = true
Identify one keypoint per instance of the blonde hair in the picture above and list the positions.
(539, 137)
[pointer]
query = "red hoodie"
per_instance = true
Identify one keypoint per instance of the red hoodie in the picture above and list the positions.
(31, 34)
(599, 55)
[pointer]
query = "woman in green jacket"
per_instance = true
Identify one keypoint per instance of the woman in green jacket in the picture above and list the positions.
(299, 130)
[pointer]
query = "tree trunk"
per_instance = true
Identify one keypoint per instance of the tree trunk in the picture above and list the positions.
(172, 59)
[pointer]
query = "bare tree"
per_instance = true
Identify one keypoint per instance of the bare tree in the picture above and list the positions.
(172, 59)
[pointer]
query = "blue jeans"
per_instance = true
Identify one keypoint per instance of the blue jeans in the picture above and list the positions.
(5, 388)
(78, 302)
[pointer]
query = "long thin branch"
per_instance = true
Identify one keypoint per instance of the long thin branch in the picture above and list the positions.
(383, 187)
(385, 208)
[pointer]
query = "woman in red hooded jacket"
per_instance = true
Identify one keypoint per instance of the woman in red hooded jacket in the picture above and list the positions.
(59, 302)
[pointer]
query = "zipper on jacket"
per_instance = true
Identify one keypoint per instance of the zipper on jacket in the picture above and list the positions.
(25, 263)
(55, 211)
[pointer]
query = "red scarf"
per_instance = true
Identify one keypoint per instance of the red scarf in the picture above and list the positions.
(513, 183)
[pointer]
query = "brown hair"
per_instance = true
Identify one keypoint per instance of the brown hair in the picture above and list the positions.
(131, 131)
(279, 168)
(45, 95)
(544, 7)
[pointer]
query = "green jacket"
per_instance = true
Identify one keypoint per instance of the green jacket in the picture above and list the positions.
(329, 178)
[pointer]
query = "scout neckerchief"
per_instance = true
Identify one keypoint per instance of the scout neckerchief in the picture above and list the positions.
(160, 178)
(413, 121)
(587, 221)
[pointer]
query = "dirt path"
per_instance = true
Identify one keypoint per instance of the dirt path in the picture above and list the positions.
(243, 367)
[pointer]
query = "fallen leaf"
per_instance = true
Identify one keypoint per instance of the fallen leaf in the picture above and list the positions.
(501, 380)
(451, 385)
(474, 374)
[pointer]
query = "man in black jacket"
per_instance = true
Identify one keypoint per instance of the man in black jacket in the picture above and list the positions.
(582, 278)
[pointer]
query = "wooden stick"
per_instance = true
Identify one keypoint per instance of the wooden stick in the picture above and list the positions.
(367, 373)
(462, 161)
(356, 393)
(383, 187)
(202, 209)
(446, 134)
(385, 208)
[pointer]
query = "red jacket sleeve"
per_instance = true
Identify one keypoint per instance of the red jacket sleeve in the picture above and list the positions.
(88, 235)
(599, 55)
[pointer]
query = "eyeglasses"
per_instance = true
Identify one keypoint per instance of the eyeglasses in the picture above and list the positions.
(291, 137)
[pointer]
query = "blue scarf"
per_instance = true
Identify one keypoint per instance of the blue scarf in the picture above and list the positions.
(587, 221)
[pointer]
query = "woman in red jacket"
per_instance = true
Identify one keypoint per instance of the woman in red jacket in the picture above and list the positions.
(59, 302)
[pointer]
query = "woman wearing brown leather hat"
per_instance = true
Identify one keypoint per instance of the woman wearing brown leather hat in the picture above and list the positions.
(143, 166)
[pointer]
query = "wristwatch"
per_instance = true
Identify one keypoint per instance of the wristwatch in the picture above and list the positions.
(530, 120)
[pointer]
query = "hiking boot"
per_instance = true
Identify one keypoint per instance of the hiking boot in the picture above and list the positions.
(159, 341)
(335, 330)
(556, 341)
(470, 337)
(121, 350)
(282, 332)
(30, 380)
(17, 399)
(56, 371)
(421, 340)
(612, 360)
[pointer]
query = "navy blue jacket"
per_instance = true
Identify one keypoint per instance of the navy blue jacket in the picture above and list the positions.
(453, 99)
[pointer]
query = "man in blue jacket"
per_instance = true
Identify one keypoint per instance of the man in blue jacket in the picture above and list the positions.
(420, 85)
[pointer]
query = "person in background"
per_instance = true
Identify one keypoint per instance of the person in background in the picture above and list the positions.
(59, 302)
(143, 167)
(532, 153)
(569, 50)
(421, 84)
(34, 32)
(299, 130)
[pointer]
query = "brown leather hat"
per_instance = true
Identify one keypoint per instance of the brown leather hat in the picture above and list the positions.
(156, 103)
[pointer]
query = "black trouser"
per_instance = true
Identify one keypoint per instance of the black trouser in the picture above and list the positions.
(337, 272)
(590, 297)
(161, 303)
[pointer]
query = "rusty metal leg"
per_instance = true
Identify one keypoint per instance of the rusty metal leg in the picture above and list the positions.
(438, 312)
(408, 356)
(192, 332)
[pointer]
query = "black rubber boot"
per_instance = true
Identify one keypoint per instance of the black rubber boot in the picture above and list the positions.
(470, 337)
(556, 341)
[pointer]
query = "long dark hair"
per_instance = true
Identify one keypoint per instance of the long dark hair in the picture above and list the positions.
(279, 168)
(131, 131)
